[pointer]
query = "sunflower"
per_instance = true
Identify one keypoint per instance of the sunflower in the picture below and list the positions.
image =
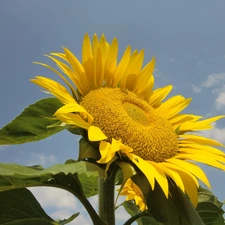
(133, 192)
(117, 106)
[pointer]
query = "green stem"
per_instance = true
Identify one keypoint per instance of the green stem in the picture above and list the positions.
(92, 213)
(106, 198)
(135, 217)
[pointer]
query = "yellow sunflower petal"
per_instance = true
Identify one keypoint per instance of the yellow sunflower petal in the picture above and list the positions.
(199, 125)
(133, 67)
(78, 69)
(133, 71)
(104, 48)
(145, 76)
(174, 175)
(189, 181)
(74, 108)
(152, 171)
(111, 61)
(190, 188)
(158, 95)
(195, 170)
(173, 106)
(86, 49)
(145, 167)
(161, 178)
(200, 158)
(178, 169)
(54, 88)
(200, 140)
(106, 151)
(122, 66)
(59, 74)
(95, 134)
(73, 119)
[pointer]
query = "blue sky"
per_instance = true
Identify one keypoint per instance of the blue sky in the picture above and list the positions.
(186, 37)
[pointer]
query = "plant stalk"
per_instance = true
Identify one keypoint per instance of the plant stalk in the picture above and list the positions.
(106, 198)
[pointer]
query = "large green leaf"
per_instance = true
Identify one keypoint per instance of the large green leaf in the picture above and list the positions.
(31, 124)
(177, 209)
(209, 208)
(17, 176)
(66, 176)
(19, 207)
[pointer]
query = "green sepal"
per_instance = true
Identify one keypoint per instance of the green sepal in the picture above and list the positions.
(32, 124)
(73, 129)
(87, 151)
(177, 130)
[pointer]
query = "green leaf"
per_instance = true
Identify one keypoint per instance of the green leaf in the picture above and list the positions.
(66, 176)
(19, 207)
(70, 219)
(209, 208)
(31, 124)
(144, 219)
(17, 176)
(177, 209)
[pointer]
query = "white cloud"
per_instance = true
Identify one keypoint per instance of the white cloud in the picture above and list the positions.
(196, 89)
(54, 197)
(60, 204)
(220, 100)
(122, 215)
(217, 81)
(42, 159)
(214, 79)
(215, 133)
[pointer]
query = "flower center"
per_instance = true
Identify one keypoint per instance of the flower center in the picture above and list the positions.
(124, 116)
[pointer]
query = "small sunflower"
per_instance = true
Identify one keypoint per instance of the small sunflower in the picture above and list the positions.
(133, 192)
(116, 104)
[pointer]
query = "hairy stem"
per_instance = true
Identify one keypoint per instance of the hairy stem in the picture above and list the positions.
(106, 198)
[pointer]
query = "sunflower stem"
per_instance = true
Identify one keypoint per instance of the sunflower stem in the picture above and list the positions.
(135, 217)
(106, 198)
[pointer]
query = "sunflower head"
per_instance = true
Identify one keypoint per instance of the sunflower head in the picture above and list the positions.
(114, 102)
(133, 193)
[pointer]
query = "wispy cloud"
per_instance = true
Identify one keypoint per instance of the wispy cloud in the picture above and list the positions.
(214, 79)
(215, 133)
(216, 82)
(220, 100)
(196, 89)
(42, 159)
(60, 204)
(59, 198)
